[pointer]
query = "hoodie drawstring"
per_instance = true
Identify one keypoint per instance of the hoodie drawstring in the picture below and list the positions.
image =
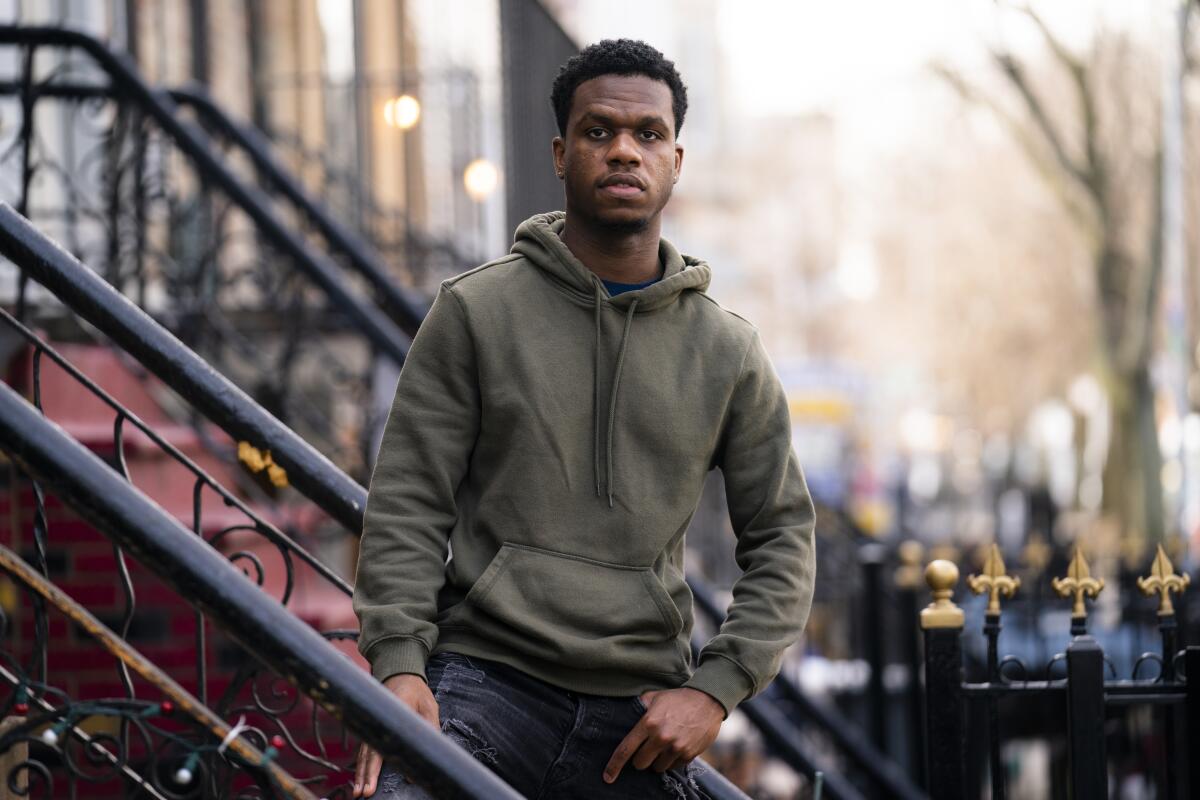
(612, 402)
(596, 395)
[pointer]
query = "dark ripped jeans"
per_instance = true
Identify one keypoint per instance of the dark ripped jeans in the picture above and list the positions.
(543, 741)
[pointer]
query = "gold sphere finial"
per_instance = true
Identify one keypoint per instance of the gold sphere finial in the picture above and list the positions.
(941, 576)
(911, 552)
(908, 574)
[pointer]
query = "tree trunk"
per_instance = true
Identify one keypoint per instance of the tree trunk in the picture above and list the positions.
(1133, 470)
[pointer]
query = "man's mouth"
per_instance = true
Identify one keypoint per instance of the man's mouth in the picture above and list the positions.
(622, 185)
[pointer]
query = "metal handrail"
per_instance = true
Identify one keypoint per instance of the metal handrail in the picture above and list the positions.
(885, 773)
(265, 628)
(27, 576)
(424, 242)
(158, 105)
(361, 256)
(173, 362)
(267, 529)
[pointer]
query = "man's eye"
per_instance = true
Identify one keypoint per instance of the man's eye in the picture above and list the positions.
(596, 133)
(651, 135)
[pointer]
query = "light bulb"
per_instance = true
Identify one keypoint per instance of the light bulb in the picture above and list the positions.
(480, 179)
(402, 112)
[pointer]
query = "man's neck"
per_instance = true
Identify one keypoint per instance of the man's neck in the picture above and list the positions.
(618, 257)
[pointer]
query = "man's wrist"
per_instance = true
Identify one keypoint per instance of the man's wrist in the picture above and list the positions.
(400, 678)
(706, 699)
(722, 680)
(398, 656)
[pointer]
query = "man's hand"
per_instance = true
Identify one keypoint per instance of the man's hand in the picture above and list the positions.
(414, 692)
(679, 724)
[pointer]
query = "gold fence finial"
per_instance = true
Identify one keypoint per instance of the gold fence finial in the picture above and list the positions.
(908, 574)
(994, 580)
(1036, 553)
(1164, 581)
(1079, 582)
(941, 576)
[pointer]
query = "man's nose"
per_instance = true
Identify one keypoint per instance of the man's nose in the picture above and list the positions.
(624, 150)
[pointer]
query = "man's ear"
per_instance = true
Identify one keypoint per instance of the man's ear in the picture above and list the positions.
(678, 161)
(559, 150)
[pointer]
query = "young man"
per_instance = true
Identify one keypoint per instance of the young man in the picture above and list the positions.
(521, 578)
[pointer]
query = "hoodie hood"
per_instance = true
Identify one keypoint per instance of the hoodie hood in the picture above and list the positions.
(538, 240)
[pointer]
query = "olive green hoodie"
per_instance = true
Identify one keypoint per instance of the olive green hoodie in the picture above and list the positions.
(545, 452)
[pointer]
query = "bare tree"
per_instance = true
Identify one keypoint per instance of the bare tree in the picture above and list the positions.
(1109, 182)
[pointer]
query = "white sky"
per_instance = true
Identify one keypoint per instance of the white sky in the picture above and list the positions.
(841, 51)
(864, 61)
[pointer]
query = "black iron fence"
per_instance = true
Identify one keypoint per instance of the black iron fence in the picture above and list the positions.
(1076, 695)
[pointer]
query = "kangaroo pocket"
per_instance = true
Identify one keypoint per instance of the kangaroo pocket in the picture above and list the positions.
(577, 612)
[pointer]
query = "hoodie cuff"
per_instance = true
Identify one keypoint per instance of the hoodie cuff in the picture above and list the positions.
(397, 656)
(722, 679)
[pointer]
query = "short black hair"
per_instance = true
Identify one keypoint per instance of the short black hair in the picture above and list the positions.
(615, 57)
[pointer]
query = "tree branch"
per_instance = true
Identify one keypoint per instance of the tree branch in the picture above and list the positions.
(1050, 169)
(1094, 173)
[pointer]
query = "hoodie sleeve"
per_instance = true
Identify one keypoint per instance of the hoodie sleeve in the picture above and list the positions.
(427, 443)
(773, 519)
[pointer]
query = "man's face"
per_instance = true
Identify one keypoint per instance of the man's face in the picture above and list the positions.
(619, 157)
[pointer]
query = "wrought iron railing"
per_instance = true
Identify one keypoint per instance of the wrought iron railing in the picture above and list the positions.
(265, 630)
(374, 240)
(172, 738)
(886, 777)
(354, 252)
(113, 168)
(243, 694)
(101, 306)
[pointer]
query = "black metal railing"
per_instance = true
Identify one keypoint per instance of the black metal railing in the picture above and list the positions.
(266, 631)
(886, 777)
(428, 259)
(1080, 683)
(172, 740)
(357, 254)
(165, 214)
(373, 238)
(135, 332)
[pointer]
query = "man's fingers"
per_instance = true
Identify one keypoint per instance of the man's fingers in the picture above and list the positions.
(651, 750)
(360, 770)
(366, 774)
(628, 746)
(667, 758)
(430, 713)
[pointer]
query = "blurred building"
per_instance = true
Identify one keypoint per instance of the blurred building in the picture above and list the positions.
(399, 114)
